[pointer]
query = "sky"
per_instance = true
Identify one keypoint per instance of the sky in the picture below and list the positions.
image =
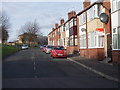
(46, 14)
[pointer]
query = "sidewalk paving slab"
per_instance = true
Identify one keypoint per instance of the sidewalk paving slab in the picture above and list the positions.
(110, 69)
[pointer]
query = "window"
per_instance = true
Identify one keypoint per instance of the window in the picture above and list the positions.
(76, 41)
(90, 13)
(83, 18)
(83, 41)
(95, 40)
(75, 21)
(101, 41)
(118, 4)
(71, 41)
(116, 38)
(66, 42)
(67, 27)
(114, 5)
(99, 10)
(115, 43)
(91, 39)
(71, 23)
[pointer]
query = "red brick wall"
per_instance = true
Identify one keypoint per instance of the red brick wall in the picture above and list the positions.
(70, 49)
(96, 53)
(116, 56)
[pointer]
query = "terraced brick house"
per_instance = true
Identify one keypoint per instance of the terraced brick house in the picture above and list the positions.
(65, 34)
(93, 35)
(115, 18)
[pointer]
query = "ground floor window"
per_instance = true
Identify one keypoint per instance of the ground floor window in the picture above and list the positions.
(66, 42)
(116, 38)
(76, 41)
(91, 39)
(95, 39)
(101, 41)
(59, 42)
(83, 41)
(71, 42)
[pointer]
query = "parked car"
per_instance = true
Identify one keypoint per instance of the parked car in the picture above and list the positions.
(43, 48)
(48, 49)
(58, 51)
(24, 46)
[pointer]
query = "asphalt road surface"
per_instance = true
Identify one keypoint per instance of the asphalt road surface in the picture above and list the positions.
(32, 68)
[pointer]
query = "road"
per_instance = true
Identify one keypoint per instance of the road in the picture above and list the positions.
(32, 68)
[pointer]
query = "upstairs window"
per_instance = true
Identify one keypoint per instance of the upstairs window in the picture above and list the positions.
(114, 5)
(71, 23)
(83, 18)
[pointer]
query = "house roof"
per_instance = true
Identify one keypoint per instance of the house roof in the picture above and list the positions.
(97, 2)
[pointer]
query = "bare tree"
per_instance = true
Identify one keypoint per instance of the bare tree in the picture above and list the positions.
(4, 26)
(32, 29)
(42, 40)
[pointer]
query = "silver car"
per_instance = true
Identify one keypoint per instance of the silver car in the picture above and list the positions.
(24, 46)
(48, 49)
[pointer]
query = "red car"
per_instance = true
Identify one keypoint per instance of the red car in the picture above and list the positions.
(58, 51)
(43, 48)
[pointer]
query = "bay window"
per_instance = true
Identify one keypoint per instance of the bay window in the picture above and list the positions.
(116, 38)
(83, 41)
(95, 40)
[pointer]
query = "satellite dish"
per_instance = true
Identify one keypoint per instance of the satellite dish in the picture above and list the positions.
(104, 17)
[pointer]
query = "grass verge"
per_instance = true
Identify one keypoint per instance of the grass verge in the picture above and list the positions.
(8, 50)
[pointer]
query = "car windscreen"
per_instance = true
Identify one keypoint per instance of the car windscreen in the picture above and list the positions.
(49, 46)
(25, 45)
(59, 48)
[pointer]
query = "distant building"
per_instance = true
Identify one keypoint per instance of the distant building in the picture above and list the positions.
(27, 38)
(65, 34)
(115, 18)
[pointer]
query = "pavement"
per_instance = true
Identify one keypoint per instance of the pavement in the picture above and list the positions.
(107, 70)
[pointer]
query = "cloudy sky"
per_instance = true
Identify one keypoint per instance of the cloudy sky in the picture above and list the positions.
(46, 14)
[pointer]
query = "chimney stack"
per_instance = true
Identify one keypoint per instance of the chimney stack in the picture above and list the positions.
(56, 25)
(62, 21)
(86, 3)
(52, 29)
(71, 14)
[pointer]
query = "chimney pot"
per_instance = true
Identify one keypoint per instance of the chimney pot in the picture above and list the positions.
(62, 21)
(71, 14)
(52, 29)
(86, 3)
(56, 25)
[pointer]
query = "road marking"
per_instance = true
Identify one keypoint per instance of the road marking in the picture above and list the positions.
(34, 62)
(95, 71)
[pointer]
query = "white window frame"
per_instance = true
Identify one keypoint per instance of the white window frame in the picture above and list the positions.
(117, 38)
(81, 38)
